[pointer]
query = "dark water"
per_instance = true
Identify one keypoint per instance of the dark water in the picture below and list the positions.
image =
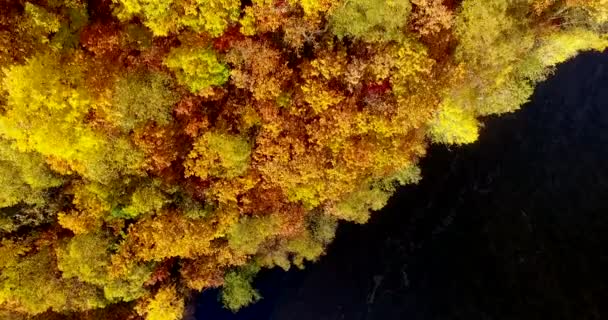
(512, 227)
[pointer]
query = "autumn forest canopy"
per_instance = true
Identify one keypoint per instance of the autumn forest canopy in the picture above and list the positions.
(152, 149)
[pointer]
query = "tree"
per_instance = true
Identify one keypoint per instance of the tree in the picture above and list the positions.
(33, 286)
(165, 305)
(237, 291)
(197, 68)
(218, 155)
(144, 200)
(87, 258)
(164, 17)
(258, 68)
(46, 110)
(141, 97)
(374, 21)
(431, 16)
(149, 148)
(25, 176)
(454, 125)
(170, 234)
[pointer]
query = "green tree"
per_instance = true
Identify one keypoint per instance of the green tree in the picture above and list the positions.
(25, 176)
(32, 285)
(140, 97)
(87, 258)
(371, 20)
(197, 68)
(249, 233)
(237, 291)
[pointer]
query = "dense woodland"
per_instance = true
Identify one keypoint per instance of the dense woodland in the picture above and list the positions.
(151, 149)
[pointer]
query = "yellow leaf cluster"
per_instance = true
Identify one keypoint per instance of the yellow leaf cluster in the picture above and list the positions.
(453, 125)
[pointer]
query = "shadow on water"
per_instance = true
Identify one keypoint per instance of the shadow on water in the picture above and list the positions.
(512, 227)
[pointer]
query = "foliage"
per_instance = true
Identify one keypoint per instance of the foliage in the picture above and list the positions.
(141, 97)
(90, 207)
(357, 205)
(486, 31)
(87, 258)
(313, 8)
(40, 21)
(31, 285)
(152, 148)
(165, 305)
(46, 109)
(237, 291)
(145, 199)
(258, 68)
(561, 46)
(375, 20)
(164, 17)
(218, 155)
(25, 176)
(155, 238)
(246, 236)
(453, 125)
(197, 68)
(431, 17)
